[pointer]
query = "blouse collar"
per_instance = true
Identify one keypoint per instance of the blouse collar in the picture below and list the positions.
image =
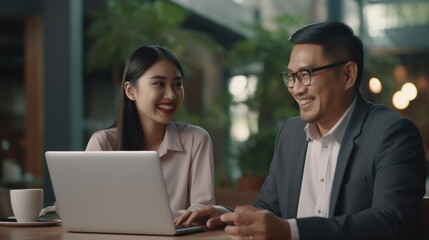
(171, 141)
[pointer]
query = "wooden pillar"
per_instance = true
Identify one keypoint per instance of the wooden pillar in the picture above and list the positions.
(33, 75)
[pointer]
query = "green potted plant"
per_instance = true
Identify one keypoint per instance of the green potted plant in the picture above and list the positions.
(117, 30)
(270, 49)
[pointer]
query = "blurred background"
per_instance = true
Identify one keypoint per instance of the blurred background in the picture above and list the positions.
(61, 63)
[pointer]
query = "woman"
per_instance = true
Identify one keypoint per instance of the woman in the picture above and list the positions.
(151, 93)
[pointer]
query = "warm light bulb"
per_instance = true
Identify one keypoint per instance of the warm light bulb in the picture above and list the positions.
(237, 88)
(400, 100)
(409, 90)
(240, 130)
(375, 85)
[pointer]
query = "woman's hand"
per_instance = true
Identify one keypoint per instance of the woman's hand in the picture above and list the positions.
(207, 215)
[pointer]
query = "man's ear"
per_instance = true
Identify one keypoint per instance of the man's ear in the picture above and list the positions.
(350, 72)
(129, 91)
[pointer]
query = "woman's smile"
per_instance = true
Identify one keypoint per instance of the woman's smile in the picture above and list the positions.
(166, 108)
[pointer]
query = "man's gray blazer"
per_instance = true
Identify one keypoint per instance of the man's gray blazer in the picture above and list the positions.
(378, 184)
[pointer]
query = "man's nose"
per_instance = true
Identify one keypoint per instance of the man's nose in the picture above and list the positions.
(298, 87)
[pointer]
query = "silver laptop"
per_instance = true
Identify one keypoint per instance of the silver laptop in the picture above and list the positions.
(112, 192)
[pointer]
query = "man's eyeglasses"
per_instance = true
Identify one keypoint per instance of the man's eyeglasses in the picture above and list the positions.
(304, 75)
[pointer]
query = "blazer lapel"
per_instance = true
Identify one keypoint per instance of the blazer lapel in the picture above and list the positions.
(295, 175)
(353, 130)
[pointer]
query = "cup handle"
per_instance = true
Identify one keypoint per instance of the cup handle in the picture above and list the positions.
(46, 210)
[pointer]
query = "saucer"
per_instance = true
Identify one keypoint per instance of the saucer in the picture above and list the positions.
(39, 223)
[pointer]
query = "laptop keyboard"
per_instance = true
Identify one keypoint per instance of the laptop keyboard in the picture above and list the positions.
(186, 226)
(184, 229)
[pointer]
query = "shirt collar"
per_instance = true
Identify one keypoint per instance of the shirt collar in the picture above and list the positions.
(171, 141)
(337, 131)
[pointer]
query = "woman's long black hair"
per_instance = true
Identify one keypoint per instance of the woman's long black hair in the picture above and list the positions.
(130, 133)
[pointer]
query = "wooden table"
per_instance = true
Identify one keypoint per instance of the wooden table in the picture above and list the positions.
(58, 233)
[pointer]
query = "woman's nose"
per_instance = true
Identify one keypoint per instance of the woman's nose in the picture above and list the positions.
(169, 93)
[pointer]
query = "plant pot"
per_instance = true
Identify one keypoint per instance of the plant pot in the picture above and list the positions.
(250, 183)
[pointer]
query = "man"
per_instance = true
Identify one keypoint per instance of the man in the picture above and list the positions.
(344, 169)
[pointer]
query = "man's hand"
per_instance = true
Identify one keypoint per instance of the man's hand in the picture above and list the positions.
(254, 223)
(207, 215)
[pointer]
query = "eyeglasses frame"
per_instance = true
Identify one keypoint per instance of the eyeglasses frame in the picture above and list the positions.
(284, 75)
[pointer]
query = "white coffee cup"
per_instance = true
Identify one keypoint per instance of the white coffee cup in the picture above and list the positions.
(26, 204)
